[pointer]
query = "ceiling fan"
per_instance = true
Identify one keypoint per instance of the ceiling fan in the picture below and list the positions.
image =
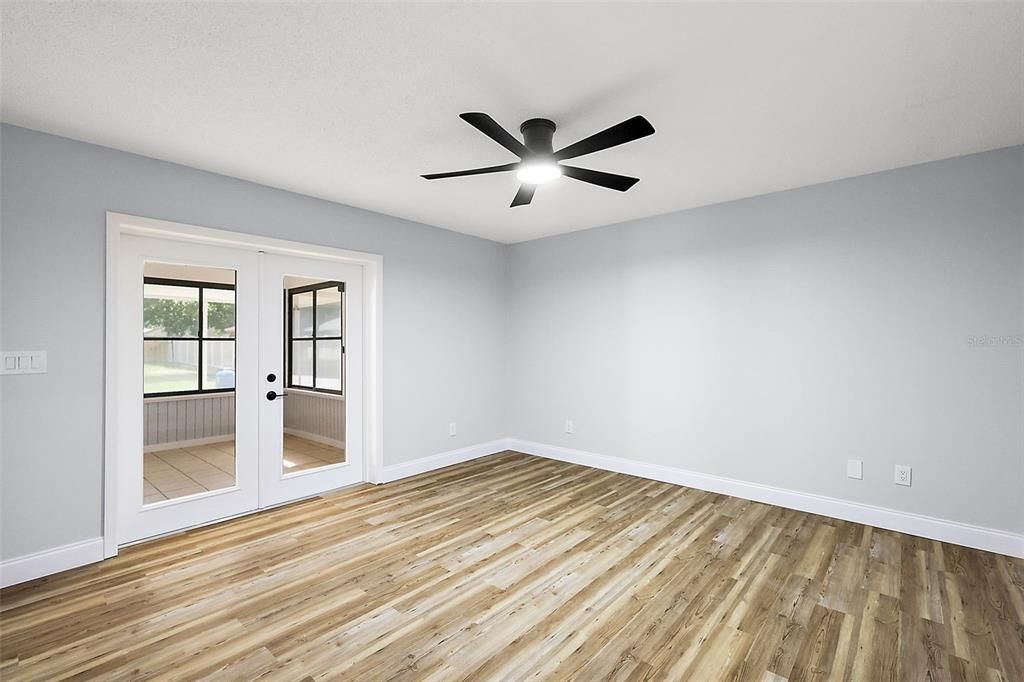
(539, 163)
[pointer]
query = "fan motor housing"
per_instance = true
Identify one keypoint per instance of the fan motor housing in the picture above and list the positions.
(537, 134)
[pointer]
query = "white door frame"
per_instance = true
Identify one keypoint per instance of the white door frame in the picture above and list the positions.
(373, 346)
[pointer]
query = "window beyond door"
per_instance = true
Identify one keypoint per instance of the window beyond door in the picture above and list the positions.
(315, 337)
(188, 337)
(188, 358)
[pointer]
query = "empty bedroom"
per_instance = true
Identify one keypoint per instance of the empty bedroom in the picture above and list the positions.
(512, 341)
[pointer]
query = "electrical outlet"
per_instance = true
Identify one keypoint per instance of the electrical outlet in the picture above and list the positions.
(451, 429)
(903, 474)
(568, 426)
(855, 469)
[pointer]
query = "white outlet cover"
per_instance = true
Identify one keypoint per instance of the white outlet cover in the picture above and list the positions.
(23, 362)
(904, 475)
(855, 468)
(569, 428)
(451, 429)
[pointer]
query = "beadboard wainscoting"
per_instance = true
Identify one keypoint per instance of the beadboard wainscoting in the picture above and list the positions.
(319, 417)
(171, 422)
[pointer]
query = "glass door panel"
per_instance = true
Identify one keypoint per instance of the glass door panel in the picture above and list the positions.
(188, 380)
(314, 415)
(307, 426)
(187, 327)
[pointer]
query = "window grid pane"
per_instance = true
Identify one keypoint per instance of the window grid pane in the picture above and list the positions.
(328, 364)
(170, 311)
(302, 315)
(314, 319)
(219, 365)
(328, 312)
(176, 343)
(302, 364)
(218, 313)
(170, 366)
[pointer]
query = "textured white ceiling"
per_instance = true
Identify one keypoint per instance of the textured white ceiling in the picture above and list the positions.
(352, 102)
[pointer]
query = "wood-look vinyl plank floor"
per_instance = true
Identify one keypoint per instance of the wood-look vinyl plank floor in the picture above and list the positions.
(513, 567)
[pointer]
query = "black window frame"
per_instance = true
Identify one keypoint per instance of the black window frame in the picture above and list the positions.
(200, 338)
(291, 338)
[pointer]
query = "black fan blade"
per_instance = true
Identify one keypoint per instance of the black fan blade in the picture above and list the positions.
(621, 133)
(489, 127)
(523, 196)
(474, 171)
(609, 180)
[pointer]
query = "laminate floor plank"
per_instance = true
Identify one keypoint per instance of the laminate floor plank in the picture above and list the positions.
(513, 567)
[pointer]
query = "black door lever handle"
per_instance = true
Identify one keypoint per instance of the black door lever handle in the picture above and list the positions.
(274, 395)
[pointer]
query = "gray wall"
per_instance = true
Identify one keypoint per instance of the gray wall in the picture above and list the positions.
(444, 315)
(770, 339)
(766, 340)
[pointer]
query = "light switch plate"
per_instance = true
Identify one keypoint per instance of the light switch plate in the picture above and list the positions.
(23, 362)
(855, 468)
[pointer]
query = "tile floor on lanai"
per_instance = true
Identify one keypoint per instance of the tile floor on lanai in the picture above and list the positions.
(168, 474)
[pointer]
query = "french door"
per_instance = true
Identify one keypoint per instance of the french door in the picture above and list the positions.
(239, 382)
(310, 372)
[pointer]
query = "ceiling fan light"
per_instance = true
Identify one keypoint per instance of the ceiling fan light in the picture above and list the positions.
(538, 172)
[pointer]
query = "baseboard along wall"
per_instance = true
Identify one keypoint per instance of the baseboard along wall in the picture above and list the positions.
(978, 537)
(48, 562)
(442, 460)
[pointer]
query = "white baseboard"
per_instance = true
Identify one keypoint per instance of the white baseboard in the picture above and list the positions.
(444, 459)
(978, 537)
(316, 438)
(50, 561)
(193, 443)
